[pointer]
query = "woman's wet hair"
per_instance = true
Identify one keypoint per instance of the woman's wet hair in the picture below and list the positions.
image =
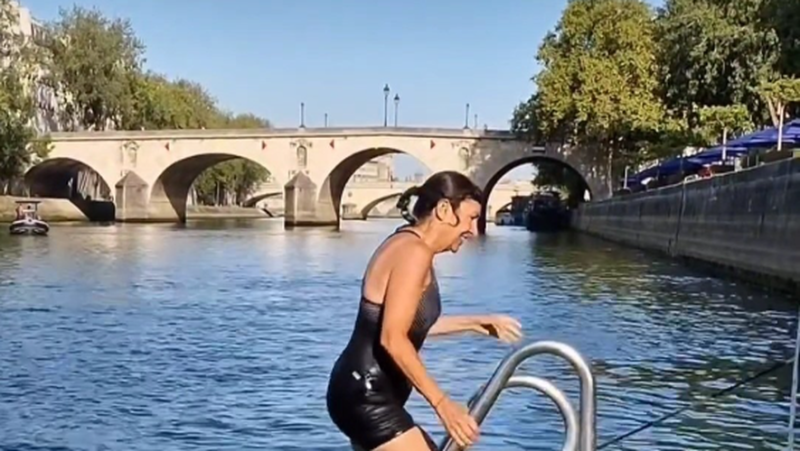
(446, 185)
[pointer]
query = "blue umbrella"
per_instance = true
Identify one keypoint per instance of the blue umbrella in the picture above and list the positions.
(670, 167)
(714, 154)
(769, 137)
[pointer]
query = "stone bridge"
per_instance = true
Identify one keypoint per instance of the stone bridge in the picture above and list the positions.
(360, 199)
(148, 174)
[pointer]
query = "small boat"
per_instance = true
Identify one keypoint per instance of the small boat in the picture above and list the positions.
(546, 213)
(504, 217)
(28, 221)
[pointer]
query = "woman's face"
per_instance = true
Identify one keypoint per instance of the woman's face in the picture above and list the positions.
(462, 222)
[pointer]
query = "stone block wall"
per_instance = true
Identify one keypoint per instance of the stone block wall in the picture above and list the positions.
(746, 222)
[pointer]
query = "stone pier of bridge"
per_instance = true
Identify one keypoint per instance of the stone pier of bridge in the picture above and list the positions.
(363, 199)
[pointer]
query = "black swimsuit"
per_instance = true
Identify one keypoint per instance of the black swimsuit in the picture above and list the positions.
(367, 391)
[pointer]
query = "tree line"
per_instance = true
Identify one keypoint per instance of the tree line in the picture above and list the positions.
(626, 83)
(93, 67)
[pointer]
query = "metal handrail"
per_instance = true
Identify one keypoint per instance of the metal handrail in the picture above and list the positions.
(568, 414)
(488, 395)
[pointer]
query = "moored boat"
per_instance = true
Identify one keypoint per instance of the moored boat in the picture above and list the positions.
(27, 221)
(546, 213)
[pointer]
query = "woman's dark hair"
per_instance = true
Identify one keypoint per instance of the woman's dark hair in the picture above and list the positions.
(446, 185)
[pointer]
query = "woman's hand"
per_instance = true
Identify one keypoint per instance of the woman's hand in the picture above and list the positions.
(460, 425)
(502, 327)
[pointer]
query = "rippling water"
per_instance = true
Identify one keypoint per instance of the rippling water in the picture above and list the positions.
(220, 335)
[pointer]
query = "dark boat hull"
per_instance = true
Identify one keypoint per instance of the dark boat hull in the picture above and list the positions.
(29, 227)
(547, 221)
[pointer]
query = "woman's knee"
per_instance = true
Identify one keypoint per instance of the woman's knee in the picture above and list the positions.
(414, 439)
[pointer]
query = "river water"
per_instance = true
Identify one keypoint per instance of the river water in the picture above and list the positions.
(219, 335)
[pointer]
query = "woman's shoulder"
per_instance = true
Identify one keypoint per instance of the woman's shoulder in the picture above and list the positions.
(407, 246)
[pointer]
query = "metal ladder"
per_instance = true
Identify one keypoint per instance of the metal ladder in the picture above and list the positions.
(579, 431)
(795, 381)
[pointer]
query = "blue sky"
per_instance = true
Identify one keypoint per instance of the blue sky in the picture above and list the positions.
(267, 56)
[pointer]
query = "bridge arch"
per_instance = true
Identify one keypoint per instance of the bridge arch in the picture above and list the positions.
(508, 167)
(70, 178)
(170, 191)
(332, 188)
(55, 177)
(505, 205)
(252, 201)
(371, 205)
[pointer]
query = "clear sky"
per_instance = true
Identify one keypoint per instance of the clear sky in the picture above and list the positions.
(267, 56)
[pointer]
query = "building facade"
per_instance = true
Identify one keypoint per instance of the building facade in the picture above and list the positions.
(380, 169)
(46, 119)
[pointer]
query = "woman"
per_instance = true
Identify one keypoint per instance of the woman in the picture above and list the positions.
(400, 305)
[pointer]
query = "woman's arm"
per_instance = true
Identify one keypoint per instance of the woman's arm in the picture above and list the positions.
(454, 324)
(403, 294)
(502, 327)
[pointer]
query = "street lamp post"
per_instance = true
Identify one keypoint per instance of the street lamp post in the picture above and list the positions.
(302, 114)
(326, 120)
(466, 118)
(396, 104)
(385, 104)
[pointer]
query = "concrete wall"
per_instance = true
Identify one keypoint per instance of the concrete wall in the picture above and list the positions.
(746, 223)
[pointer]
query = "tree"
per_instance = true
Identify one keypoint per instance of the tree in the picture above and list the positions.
(716, 122)
(92, 64)
(159, 104)
(714, 52)
(232, 180)
(783, 16)
(18, 150)
(555, 175)
(598, 86)
(525, 121)
(779, 94)
(244, 121)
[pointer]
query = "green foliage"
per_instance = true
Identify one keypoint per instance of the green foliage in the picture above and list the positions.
(160, 104)
(714, 52)
(784, 16)
(17, 108)
(95, 66)
(720, 122)
(232, 181)
(598, 85)
(630, 85)
(92, 63)
(525, 121)
(551, 174)
(229, 182)
(243, 121)
(779, 94)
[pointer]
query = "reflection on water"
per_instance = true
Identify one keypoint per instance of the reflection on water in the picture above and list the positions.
(220, 335)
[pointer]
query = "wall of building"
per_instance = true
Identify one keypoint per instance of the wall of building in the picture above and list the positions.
(745, 223)
(376, 170)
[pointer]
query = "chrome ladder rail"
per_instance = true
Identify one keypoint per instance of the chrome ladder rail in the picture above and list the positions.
(503, 377)
(793, 395)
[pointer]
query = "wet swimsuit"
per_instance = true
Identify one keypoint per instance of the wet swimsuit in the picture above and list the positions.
(367, 391)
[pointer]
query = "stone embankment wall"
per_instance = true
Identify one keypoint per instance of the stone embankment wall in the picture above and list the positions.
(64, 210)
(746, 223)
(51, 210)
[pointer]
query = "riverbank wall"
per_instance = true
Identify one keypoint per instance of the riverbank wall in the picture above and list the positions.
(51, 210)
(745, 223)
(63, 210)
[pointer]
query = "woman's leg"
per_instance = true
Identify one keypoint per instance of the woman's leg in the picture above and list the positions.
(414, 439)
